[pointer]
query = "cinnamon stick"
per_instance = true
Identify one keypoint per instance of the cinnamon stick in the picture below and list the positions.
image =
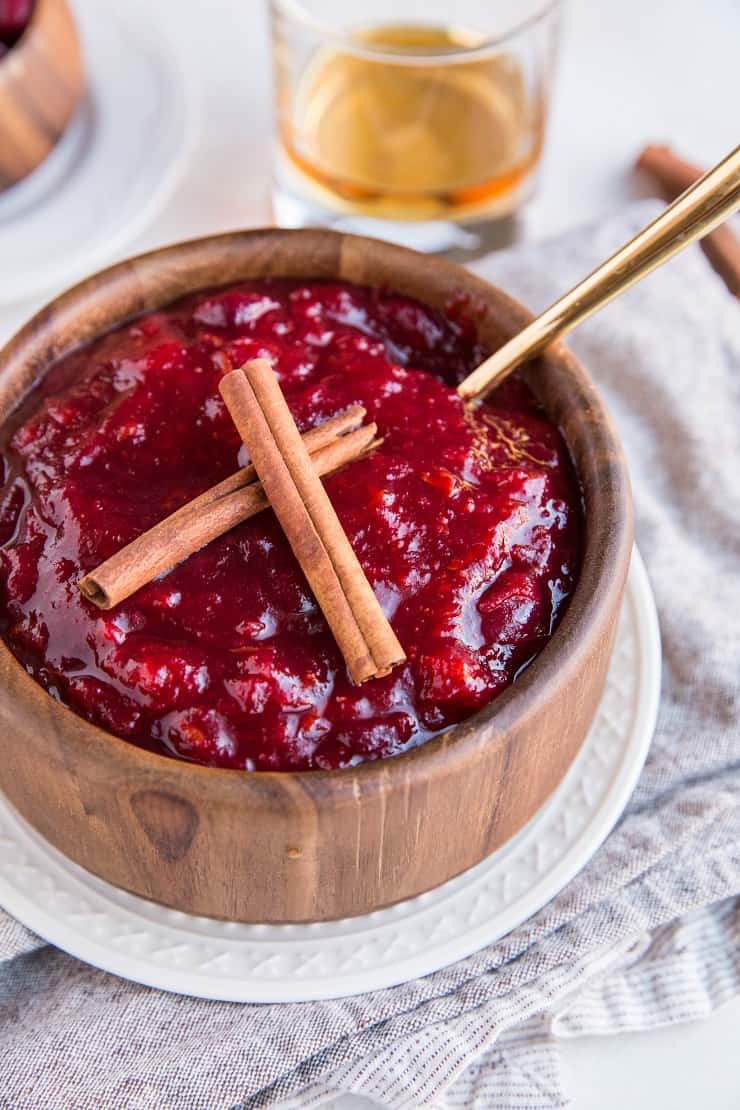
(332, 445)
(674, 175)
(298, 499)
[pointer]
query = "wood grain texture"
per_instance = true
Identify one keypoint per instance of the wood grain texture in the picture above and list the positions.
(41, 84)
(324, 844)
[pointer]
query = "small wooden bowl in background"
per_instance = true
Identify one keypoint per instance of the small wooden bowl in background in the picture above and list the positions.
(41, 84)
(281, 847)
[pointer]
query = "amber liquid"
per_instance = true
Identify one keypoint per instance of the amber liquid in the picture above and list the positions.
(433, 135)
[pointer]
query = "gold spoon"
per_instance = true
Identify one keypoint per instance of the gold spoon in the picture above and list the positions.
(694, 214)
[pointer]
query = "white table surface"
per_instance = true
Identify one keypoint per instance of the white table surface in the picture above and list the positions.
(631, 71)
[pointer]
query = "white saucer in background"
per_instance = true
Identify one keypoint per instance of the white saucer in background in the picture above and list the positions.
(140, 940)
(115, 166)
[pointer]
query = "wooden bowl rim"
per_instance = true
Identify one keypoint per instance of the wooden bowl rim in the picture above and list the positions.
(523, 699)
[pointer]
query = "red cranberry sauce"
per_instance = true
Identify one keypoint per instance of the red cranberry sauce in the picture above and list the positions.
(467, 522)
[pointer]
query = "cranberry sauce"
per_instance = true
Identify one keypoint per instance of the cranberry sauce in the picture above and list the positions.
(467, 522)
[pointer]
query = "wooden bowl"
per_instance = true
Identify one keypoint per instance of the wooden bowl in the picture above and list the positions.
(41, 84)
(280, 847)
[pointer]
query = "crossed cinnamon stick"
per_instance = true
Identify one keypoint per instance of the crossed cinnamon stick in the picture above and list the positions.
(314, 531)
(285, 473)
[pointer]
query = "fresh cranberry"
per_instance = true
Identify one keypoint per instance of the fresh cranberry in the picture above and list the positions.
(14, 18)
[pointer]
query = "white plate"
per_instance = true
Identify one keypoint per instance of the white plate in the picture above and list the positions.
(116, 164)
(145, 942)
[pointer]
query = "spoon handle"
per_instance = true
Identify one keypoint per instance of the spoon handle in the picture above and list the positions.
(694, 214)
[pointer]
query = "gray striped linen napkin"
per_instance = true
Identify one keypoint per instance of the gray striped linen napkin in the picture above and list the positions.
(647, 934)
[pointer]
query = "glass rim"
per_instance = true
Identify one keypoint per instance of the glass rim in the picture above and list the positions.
(296, 11)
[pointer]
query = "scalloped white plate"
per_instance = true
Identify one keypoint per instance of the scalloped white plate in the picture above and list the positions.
(139, 940)
(115, 166)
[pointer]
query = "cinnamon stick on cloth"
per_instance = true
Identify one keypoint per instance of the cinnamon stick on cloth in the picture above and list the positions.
(332, 445)
(674, 176)
(301, 504)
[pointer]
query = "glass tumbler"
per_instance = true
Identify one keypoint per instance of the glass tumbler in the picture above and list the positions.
(419, 121)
